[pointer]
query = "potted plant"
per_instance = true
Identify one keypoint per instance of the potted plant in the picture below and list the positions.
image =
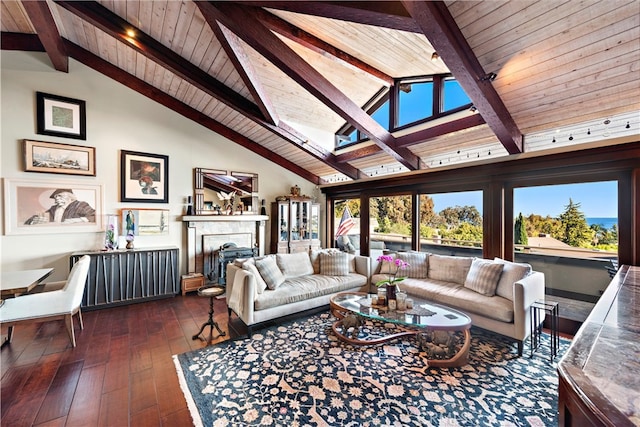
(392, 280)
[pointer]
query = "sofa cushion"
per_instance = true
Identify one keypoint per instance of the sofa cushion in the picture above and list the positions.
(295, 264)
(511, 273)
(307, 287)
(334, 263)
(250, 266)
(270, 272)
(418, 264)
(457, 296)
(449, 268)
(483, 276)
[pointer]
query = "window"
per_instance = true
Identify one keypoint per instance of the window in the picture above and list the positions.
(347, 225)
(454, 97)
(390, 222)
(417, 100)
(450, 219)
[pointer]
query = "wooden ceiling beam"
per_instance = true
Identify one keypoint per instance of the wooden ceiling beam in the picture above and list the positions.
(387, 14)
(443, 33)
(315, 44)
(245, 23)
(107, 21)
(240, 60)
(42, 20)
(116, 27)
(417, 137)
(151, 92)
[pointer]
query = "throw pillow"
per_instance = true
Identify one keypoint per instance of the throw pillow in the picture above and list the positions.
(334, 264)
(449, 268)
(483, 276)
(314, 256)
(418, 264)
(270, 272)
(511, 273)
(250, 266)
(295, 264)
(388, 267)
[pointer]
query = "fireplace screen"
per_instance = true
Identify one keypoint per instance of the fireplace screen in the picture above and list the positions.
(221, 257)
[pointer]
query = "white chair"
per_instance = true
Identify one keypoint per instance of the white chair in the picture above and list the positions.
(53, 305)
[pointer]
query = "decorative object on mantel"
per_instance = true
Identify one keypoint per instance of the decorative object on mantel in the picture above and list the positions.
(189, 206)
(111, 233)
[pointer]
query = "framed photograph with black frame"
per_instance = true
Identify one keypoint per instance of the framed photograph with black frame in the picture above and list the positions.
(61, 116)
(144, 177)
(51, 157)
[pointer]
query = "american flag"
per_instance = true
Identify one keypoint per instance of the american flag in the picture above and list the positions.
(346, 222)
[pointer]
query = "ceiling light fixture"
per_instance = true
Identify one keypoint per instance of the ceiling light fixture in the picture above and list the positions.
(473, 108)
(434, 56)
(488, 77)
(131, 33)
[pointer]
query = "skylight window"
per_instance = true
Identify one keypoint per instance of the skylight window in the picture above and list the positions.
(417, 100)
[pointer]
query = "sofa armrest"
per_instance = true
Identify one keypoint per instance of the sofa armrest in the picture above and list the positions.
(363, 266)
(525, 292)
(241, 293)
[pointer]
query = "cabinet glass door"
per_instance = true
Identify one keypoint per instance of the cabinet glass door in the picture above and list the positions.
(296, 218)
(305, 221)
(284, 222)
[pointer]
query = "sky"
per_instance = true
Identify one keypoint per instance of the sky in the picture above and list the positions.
(597, 200)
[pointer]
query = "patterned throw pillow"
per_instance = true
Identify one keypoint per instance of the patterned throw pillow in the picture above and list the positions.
(511, 273)
(270, 272)
(314, 256)
(418, 264)
(295, 264)
(483, 276)
(334, 264)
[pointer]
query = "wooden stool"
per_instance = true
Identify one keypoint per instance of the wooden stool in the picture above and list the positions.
(210, 292)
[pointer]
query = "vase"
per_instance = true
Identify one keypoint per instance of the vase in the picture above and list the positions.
(391, 291)
(111, 233)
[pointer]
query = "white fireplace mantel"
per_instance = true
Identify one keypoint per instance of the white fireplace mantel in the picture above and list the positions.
(206, 225)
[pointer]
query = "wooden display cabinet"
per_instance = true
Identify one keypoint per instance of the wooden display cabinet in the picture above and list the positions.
(295, 225)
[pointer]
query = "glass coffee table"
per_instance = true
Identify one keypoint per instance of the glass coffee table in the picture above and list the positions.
(441, 332)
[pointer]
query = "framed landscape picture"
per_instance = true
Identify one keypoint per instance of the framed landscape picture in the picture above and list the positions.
(52, 157)
(61, 116)
(145, 222)
(48, 206)
(144, 177)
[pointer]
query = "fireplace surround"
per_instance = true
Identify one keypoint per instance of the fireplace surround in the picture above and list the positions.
(207, 233)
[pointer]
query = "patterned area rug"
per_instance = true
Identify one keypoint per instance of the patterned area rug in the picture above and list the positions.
(299, 374)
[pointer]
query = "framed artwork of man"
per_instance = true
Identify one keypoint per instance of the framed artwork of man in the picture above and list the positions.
(40, 207)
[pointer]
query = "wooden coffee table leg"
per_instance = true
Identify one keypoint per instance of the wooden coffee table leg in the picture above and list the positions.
(461, 358)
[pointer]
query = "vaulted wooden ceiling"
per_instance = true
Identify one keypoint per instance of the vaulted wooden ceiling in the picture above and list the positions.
(281, 77)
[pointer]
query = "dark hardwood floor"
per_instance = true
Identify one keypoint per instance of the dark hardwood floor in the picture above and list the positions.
(120, 374)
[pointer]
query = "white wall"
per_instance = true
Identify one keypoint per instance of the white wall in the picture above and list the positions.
(117, 119)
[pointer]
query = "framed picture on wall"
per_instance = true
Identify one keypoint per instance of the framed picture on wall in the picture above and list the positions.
(52, 157)
(145, 222)
(49, 206)
(61, 116)
(144, 177)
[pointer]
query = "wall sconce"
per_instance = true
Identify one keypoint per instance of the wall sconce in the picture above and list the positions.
(434, 56)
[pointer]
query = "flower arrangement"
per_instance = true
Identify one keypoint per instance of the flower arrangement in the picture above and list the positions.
(392, 279)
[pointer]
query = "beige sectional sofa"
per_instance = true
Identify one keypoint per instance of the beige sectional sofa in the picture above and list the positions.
(266, 288)
(496, 294)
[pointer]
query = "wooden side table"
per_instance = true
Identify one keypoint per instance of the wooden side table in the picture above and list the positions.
(192, 282)
(210, 292)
